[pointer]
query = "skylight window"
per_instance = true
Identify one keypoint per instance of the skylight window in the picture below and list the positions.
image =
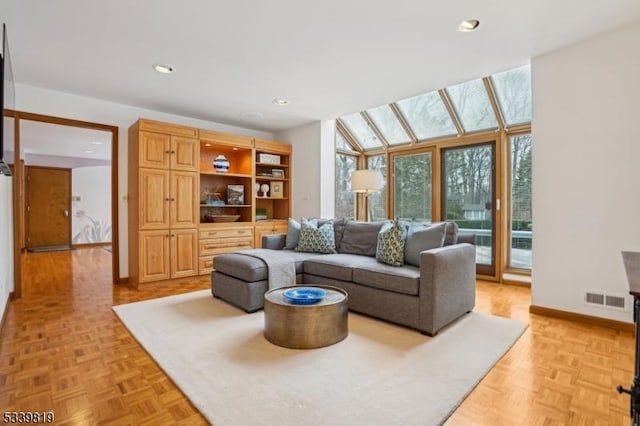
(513, 90)
(427, 116)
(341, 142)
(473, 108)
(387, 123)
(361, 131)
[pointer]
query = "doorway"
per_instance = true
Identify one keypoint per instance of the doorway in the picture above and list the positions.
(468, 194)
(48, 203)
(60, 133)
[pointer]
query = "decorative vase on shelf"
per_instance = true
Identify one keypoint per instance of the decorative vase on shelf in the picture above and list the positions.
(265, 190)
(221, 164)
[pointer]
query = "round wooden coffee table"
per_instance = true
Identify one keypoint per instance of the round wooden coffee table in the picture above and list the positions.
(305, 326)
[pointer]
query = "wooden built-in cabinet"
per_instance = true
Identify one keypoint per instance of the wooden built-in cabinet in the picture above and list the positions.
(269, 227)
(163, 197)
(175, 227)
(224, 238)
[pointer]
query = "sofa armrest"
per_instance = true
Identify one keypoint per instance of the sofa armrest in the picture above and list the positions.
(274, 241)
(467, 238)
(447, 285)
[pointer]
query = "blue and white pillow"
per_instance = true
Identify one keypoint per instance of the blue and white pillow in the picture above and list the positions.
(391, 241)
(316, 240)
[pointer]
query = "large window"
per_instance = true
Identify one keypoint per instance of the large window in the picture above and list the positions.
(472, 105)
(455, 153)
(427, 116)
(412, 186)
(378, 200)
(345, 198)
(521, 224)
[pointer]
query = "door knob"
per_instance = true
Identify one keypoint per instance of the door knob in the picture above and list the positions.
(66, 213)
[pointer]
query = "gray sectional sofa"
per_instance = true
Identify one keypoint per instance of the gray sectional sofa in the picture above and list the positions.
(425, 297)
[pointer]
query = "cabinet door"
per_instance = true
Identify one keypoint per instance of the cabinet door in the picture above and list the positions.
(184, 253)
(184, 199)
(185, 154)
(269, 228)
(155, 150)
(154, 255)
(154, 199)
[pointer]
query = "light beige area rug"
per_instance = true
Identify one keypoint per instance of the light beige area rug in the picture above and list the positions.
(381, 374)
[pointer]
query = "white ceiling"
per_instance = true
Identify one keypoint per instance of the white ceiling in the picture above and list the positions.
(329, 58)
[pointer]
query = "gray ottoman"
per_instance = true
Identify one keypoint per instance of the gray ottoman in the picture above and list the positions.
(243, 280)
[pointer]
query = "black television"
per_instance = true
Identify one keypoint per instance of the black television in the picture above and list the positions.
(7, 97)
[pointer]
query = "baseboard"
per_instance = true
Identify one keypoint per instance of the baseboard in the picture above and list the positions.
(123, 280)
(586, 319)
(90, 245)
(6, 309)
(517, 283)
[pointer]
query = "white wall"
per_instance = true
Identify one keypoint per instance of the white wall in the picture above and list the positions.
(59, 104)
(586, 170)
(328, 168)
(91, 206)
(6, 241)
(306, 177)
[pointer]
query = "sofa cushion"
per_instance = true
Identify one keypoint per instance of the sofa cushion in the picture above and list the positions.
(390, 247)
(293, 234)
(360, 238)
(250, 269)
(420, 238)
(403, 280)
(338, 229)
(451, 234)
(336, 266)
(315, 239)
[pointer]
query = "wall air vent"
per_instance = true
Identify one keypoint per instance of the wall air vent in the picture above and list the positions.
(594, 298)
(609, 301)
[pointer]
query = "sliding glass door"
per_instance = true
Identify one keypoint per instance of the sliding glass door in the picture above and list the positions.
(468, 188)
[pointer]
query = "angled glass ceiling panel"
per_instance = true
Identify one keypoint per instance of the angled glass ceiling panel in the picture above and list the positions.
(387, 122)
(427, 116)
(361, 131)
(341, 142)
(513, 90)
(471, 103)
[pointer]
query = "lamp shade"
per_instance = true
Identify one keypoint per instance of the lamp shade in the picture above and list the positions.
(366, 181)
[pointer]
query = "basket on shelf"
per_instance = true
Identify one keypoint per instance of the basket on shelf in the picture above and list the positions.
(219, 218)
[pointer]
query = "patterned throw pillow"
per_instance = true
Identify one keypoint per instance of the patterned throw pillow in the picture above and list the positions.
(316, 240)
(390, 248)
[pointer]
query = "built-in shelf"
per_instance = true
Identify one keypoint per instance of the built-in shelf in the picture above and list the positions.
(242, 175)
(270, 178)
(275, 166)
(258, 197)
(224, 205)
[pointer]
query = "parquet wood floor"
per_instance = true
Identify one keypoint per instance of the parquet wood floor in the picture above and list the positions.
(63, 349)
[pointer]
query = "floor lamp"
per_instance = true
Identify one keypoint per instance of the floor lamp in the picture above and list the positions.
(366, 181)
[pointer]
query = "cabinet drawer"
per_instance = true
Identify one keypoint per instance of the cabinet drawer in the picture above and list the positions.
(225, 233)
(217, 246)
(206, 265)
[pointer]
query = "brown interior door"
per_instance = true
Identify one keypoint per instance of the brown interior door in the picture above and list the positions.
(48, 206)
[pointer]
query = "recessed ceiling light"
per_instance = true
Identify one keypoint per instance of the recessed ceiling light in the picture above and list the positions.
(97, 143)
(468, 25)
(88, 151)
(164, 68)
(280, 102)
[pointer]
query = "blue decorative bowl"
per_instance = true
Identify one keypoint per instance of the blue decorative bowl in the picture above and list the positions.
(304, 295)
